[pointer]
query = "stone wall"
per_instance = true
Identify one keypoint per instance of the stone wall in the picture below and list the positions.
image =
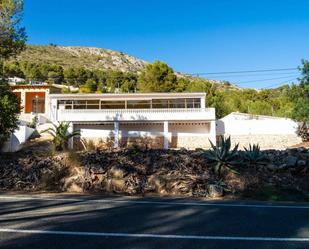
(143, 142)
(190, 142)
(267, 141)
(93, 143)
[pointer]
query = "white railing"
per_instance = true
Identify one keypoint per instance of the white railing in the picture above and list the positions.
(135, 114)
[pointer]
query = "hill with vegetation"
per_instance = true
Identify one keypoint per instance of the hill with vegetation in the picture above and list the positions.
(87, 57)
(105, 71)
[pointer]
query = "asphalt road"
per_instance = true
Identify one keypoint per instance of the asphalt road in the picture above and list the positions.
(75, 222)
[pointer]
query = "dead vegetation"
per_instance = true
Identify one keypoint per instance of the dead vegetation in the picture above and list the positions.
(137, 171)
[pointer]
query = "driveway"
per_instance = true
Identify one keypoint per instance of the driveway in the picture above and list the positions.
(80, 221)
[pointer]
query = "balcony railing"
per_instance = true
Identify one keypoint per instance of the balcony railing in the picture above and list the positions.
(135, 114)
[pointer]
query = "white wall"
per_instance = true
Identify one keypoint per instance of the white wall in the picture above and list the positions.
(255, 127)
(17, 139)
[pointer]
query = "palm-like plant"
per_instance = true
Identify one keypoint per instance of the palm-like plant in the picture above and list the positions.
(253, 156)
(61, 135)
(222, 156)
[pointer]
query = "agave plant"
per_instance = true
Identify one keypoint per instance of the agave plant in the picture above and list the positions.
(253, 156)
(61, 135)
(222, 156)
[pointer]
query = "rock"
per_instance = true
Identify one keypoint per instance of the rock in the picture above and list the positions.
(302, 150)
(215, 191)
(291, 161)
(156, 183)
(271, 166)
(301, 163)
(97, 170)
(116, 185)
(117, 172)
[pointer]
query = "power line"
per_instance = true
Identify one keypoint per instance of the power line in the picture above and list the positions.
(259, 80)
(249, 71)
(253, 75)
(281, 83)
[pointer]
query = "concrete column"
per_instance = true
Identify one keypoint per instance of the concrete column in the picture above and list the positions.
(165, 134)
(203, 103)
(212, 132)
(52, 112)
(116, 134)
(71, 140)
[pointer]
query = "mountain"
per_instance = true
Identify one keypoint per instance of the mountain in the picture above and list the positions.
(88, 57)
(94, 58)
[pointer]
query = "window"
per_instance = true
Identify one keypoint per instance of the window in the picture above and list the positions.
(138, 104)
(113, 104)
(79, 104)
(177, 103)
(160, 103)
(68, 104)
(38, 105)
(193, 103)
(93, 104)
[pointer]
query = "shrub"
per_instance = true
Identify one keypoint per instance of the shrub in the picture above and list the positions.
(61, 135)
(34, 122)
(253, 156)
(303, 131)
(222, 156)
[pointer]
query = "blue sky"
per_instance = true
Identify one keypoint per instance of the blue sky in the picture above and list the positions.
(191, 36)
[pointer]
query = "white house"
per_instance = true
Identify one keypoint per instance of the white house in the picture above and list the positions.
(157, 120)
(160, 120)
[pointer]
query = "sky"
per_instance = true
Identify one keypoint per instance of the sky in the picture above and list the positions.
(192, 36)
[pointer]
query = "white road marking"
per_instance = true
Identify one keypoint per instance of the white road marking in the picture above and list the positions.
(149, 235)
(157, 202)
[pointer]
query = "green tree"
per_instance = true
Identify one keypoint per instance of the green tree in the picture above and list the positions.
(12, 41)
(300, 95)
(157, 77)
(89, 87)
(12, 36)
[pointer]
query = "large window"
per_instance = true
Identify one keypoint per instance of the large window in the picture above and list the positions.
(131, 104)
(160, 103)
(177, 103)
(193, 103)
(113, 104)
(93, 104)
(138, 104)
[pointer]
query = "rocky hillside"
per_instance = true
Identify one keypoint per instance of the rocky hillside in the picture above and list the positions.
(89, 57)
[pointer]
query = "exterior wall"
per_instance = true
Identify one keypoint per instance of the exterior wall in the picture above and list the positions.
(271, 133)
(189, 135)
(150, 135)
(266, 141)
(17, 139)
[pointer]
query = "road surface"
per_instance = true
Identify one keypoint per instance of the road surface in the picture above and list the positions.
(79, 221)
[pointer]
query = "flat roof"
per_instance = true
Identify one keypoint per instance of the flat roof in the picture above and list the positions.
(14, 87)
(126, 95)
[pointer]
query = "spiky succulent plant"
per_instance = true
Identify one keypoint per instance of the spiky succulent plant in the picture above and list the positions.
(253, 156)
(222, 156)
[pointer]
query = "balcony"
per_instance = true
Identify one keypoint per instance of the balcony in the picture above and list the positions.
(179, 114)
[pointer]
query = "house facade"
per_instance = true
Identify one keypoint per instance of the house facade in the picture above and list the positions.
(156, 120)
(153, 120)
(34, 100)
